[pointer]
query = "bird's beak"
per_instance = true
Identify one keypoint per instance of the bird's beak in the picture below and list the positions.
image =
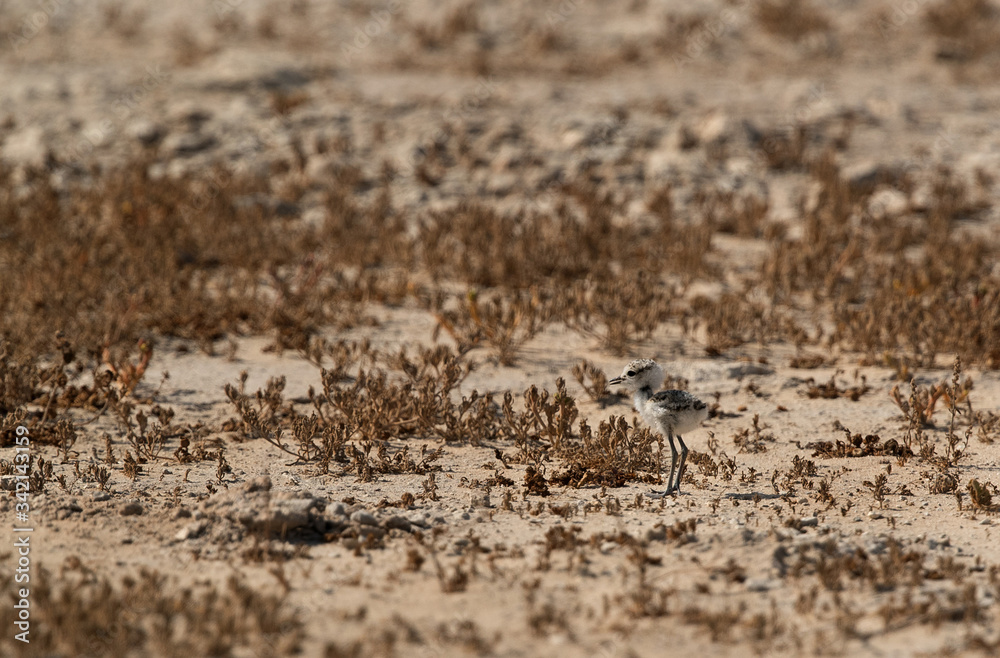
(616, 380)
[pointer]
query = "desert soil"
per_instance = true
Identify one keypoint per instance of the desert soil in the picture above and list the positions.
(735, 564)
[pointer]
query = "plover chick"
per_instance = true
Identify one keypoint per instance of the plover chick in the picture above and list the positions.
(671, 412)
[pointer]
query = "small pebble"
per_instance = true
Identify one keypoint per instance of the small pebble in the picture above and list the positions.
(130, 509)
(397, 523)
(190, 531)
(760, 584)
(364, 518)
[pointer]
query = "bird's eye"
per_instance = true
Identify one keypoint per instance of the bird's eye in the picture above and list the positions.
(630, 373)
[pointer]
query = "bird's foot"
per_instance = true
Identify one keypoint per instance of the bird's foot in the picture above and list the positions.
(656, 495)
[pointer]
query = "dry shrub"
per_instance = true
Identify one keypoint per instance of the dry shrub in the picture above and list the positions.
(503, 322)
(807, 361)
(213, 255)
(619, 312)
(594, 382)
(371, 410)
(545, 424)
(479, 245)
(106, 264)
(370, 238)
(458, 21)
(918, 410)
(830, 391)
(353, 424)
(987, 424)
(898, 289)
(80, 614)
(919, 406)
(672, 245)
(189, 48)
(185, 275)
(49, 389)
(617, 454)
(20, 382)
(729, 212)
(733, 320)
(720, 624)
(752, 439)
(981, 494)
(785, 148)
(929, 308)
(187, 257)
(813, 264)
(879, 488)
(859, 446)
(967, 30)
(832, 565)
(475, 244)
(791, 19)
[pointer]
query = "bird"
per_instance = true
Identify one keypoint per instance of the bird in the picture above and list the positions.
(671, 412)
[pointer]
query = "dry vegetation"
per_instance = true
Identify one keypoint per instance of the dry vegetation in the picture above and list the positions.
(406, 466)
(83, 614)
(109, 299)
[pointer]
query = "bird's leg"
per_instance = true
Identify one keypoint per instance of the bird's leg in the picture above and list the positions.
(673, 464)
(680, 471)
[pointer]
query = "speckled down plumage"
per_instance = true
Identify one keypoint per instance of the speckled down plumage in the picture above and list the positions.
(672, 413)
(675, 411)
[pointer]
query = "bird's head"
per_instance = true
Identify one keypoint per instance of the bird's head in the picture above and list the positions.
(640, 373)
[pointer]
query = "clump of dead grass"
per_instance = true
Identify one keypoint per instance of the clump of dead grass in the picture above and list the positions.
(856, 445)
(593, 381)
(967, 30)
(353, 423)
(615, 455)
(503, 322)
(82, 614)
(619, 313)
(830, 391)
(791, 19)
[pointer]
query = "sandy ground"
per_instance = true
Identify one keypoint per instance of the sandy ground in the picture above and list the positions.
(731, 557)
(732, 566)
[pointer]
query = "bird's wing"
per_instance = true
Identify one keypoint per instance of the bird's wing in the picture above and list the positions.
(677, 400)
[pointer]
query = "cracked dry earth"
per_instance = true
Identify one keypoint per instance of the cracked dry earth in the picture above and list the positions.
(809, 523)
